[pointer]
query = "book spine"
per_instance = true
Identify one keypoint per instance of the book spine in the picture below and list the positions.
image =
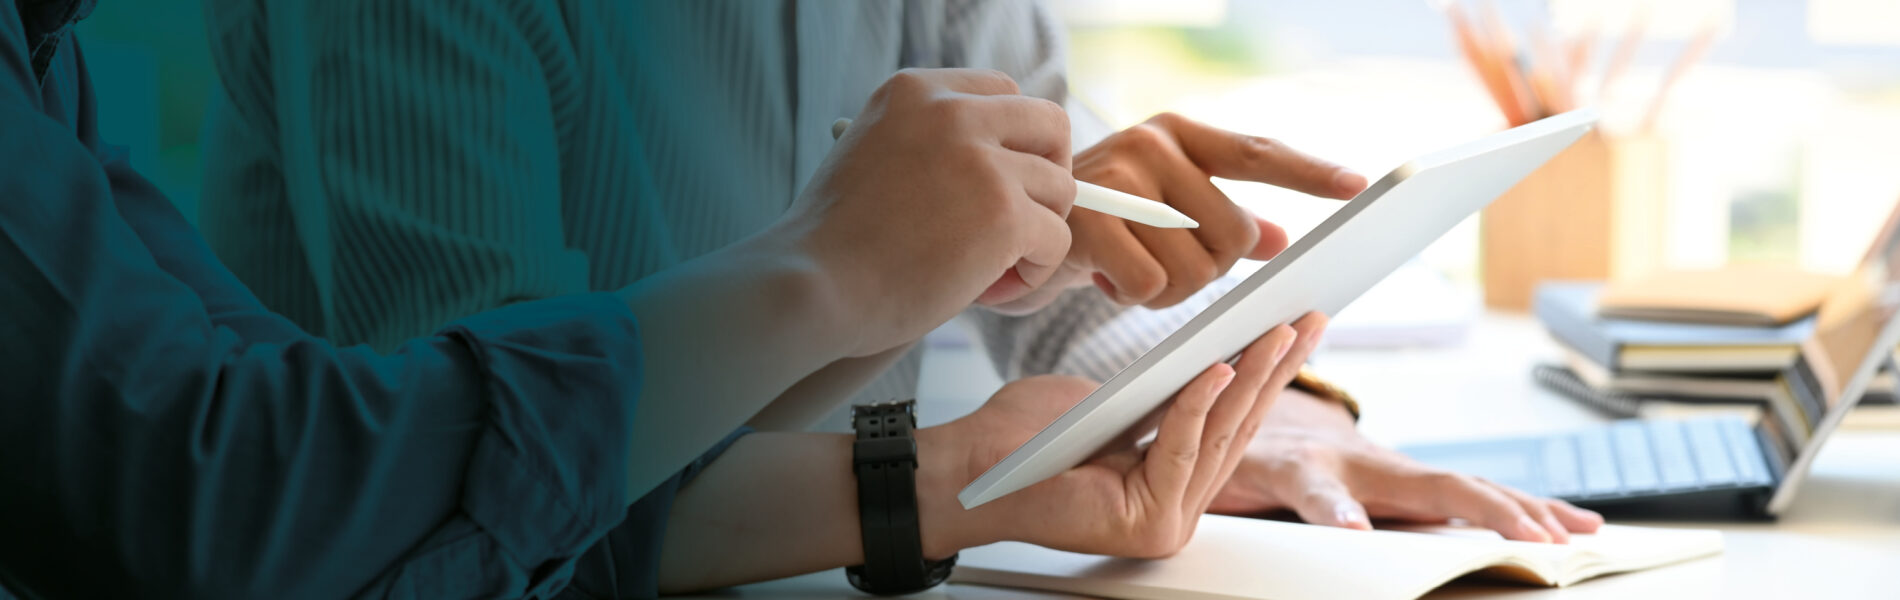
(1574, 327)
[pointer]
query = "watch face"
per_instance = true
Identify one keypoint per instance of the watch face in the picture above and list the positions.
(908, 406)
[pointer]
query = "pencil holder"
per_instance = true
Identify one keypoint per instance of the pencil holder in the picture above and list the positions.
(1595, 211)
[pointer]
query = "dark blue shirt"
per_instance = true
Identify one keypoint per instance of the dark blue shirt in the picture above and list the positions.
(162, 434)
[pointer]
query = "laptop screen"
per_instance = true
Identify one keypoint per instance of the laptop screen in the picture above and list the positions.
(1851, 321)
(1847, 328)
(1854, 335)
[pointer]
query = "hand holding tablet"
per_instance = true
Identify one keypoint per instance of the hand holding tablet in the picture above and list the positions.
(1340, 259)
(1128, 500)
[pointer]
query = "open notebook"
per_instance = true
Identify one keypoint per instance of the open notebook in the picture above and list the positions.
(1233, 557)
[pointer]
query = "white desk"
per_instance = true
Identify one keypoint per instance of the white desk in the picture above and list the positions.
(1840, 539)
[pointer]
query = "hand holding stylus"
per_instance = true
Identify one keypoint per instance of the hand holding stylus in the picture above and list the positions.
(951, 188)
(1102, 200)
(1172, 159)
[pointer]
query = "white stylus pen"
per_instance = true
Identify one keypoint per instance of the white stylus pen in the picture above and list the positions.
(1104, 200)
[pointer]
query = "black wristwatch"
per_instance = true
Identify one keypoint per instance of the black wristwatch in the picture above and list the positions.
(885, 460)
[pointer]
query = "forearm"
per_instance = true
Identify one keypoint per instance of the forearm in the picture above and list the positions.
(781, 504)
(726, 333)
(178, 250)
(813, 397)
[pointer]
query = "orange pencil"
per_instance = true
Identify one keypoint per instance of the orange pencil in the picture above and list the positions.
(1503, 52)
(1475, 53)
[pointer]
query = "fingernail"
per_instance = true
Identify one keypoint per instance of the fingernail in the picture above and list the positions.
(1558, 533)
(1350, 515)
(1101, 281)
(1220, 385)
(1285, 348)
(1529, 529)
(1587, 514)
(1348, 181)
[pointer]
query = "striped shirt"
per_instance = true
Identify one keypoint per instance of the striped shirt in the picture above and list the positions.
(379, 167)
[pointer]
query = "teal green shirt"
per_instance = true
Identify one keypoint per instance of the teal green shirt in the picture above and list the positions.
(163, 435)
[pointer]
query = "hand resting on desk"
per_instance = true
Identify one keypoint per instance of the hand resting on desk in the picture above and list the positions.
(1308, 458)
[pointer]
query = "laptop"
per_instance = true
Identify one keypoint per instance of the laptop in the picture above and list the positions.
(1714, 467)
(1327, 268)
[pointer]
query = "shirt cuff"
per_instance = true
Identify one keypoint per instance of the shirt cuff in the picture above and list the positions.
(626, 564)
(548, 474)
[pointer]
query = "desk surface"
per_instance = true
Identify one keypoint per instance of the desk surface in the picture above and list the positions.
(1840, 538)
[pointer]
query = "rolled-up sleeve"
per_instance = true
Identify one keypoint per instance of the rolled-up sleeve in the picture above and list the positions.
(626, 563)
(162, 436)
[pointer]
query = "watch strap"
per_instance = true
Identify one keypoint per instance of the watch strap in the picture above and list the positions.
(1311, 383)
(884, 458)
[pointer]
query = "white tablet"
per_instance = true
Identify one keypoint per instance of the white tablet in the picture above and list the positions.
(1340, 259)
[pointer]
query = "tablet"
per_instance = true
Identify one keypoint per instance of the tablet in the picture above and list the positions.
(1361, 243)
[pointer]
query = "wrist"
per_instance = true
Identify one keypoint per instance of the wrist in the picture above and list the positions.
(943, 470)
(1312, 385)
(1307, 409)
(826, 273)
(806, 287)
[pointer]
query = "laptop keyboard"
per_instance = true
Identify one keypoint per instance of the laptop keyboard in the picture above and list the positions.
(1651, 455)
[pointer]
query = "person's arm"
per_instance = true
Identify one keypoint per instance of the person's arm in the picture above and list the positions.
(417, 145)
(817, 395)
(184, 255)
(778, 504)
(151, 450)
(163, 434)
(855, 268)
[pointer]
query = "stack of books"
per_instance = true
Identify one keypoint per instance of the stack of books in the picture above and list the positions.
(1671, 362)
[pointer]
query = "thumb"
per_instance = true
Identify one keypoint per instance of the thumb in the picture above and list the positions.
(1272, 242)
(1043, 243)
(1325, 501)
(1008, 288)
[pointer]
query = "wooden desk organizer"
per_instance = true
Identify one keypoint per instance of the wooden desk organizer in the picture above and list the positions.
(1596, 211)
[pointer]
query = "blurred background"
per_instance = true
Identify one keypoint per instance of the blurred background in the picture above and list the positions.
(1769, 128)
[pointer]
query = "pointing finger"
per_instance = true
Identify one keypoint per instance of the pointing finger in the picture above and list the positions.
(1233, 155)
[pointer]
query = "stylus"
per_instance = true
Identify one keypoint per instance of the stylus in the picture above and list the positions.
(1104, 200)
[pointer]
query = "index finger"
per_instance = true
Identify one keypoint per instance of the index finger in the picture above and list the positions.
(1170, 461)
(1306, 332)
(1222, 442)
(983, 82)
(1231, 155)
